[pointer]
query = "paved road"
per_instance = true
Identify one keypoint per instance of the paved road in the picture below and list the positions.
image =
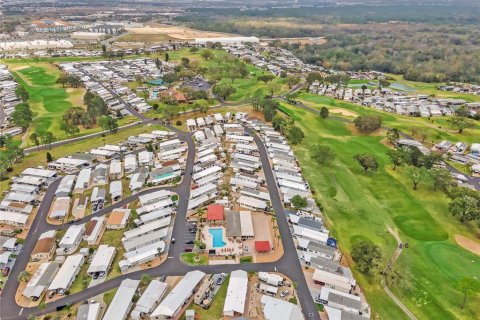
(289, 263)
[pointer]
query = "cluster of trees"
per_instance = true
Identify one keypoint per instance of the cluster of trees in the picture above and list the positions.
(78, 116)
(223, 90)
(42, 137)
(460, 120)
(9, 155)
(265, 104)
(367, 256)
(22, 116)
(368, 124)
(69, 80)
(465, 204)
(287, 126)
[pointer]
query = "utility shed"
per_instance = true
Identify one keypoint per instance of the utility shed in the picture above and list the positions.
(122, 301)
(171, 305)
(149, 299)
(236, 294)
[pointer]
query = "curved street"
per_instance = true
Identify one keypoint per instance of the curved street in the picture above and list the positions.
(288, 264)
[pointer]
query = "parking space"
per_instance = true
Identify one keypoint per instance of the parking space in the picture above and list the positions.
(190, 234)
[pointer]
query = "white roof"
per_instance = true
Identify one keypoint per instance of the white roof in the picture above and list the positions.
(146, 228)
(153, 197)
(310, 234)
(277, 309)
(67, 271)
(9, 217)
(252, 202)
(121, 303)
(236, 292)
(83, 178)
(191, 123)
(150, 297)
(115, 166)
(116, 188)
(182, 291)
(206, 189)
(139, 255)
(168, 143)
(334, 279)
(102, 259)
(39, 173)
(206, 172)
(71, 235)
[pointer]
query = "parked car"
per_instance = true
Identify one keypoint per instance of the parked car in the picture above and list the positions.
(188, 249)
(284, 294)
(190, 242)
(287, 284)
(221, 279)
(6, 271)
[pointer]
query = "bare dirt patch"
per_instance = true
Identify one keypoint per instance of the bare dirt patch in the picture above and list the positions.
(467, 244)
(344, 112)
(174, 32)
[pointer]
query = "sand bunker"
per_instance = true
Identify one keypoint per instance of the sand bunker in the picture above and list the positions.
(343, 112)
(467, 244)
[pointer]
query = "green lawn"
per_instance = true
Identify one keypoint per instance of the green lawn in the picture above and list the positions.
(190, 259)
(48, 100)
(114, 238)
(215, 311)
(437, 129)
(108, 296)
(359, 206)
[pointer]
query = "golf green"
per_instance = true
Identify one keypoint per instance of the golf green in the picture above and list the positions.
(360, 206)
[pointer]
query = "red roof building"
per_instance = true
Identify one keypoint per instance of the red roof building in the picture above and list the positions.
(262, 246)
(215, 212)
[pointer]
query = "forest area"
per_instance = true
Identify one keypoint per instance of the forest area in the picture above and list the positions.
(422, 43)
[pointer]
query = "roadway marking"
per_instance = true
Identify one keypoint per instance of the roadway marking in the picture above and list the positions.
(170, 257)
(20, 313)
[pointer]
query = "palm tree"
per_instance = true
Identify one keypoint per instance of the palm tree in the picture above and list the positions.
(364, 87)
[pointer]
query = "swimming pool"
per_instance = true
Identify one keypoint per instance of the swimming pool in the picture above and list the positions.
(217, 235)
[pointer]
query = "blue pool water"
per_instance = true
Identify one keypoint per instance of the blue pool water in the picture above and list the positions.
(156, 82)
(217, 234)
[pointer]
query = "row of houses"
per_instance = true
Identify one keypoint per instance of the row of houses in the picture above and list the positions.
(315, 247)
(8, 101)
(404, 103)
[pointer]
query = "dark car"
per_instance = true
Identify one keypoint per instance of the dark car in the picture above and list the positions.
(190, 242)
(6, 271)
(188, 249)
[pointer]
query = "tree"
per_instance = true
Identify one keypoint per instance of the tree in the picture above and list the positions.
(366, 161)
(278, 123)
(223, 90)
(109, 123)
(49, 157)
(397, 156)
(467, 285)
(185, 62)
(34, 137)
(295, 135)
(314, 76)
(367, 256)
(167, 57)
(322, 154)
(145, 279)
(393, 135)
(269, 107)
(364, 87)
(194, 50)
(22, 94)
(207, 54)
(169, 77)
(158, 63)
(298, 202)
(265, 77)
(324, 112)
(417, 175)
(465, 208)
(368, 124)
(461, 123)
(24, 276)
(441, 178)
(292, 81)
(22, 115)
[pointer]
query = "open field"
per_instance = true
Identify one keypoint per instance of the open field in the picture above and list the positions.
(436, 129)
(172, 32)
(144, 37)
(361, 206)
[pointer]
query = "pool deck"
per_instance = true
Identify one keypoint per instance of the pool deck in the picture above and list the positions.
(231, 246)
